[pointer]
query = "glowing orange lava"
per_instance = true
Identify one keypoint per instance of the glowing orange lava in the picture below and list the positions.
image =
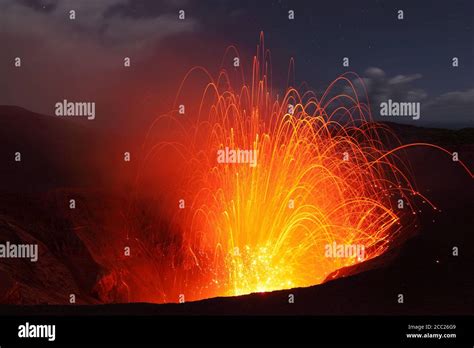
(323, 176)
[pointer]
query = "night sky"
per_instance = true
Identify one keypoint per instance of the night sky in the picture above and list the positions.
(82, 59)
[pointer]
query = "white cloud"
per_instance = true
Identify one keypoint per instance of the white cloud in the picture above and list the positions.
(96, 29)
(454, 108)
(381, 87)
(400, 79)
(63, 57)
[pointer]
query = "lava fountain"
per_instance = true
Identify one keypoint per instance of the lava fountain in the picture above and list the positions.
(323, 175)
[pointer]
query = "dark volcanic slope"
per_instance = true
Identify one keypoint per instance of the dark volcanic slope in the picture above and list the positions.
(429, 288)
(55, 152)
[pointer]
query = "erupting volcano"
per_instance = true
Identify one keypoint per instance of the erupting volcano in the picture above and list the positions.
(323, 176)
(248, 190)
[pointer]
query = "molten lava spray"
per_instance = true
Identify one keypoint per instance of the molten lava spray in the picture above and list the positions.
(306, 173)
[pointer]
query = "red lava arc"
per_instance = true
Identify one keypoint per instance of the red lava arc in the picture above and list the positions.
(321, 176)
